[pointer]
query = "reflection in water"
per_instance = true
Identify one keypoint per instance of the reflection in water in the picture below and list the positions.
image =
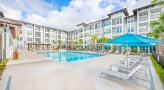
(68, 56)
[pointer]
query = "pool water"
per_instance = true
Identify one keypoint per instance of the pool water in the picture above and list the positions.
(68, 56)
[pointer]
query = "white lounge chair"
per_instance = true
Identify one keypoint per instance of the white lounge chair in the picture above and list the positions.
(129, 67)
(122, 75)
(131, 59)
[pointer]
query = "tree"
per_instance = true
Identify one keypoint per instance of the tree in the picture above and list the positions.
(80, 42)
(114, 38)
(94, 38)
(158, 2)
(103, 40)
(71, 42)
(76, 43)
(158, 31)
(60, 42)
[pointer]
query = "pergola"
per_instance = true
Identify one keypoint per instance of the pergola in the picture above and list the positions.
(38, 46)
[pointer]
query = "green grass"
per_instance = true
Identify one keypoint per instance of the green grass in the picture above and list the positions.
(158, 68)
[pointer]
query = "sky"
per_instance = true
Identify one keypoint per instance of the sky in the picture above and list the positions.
(65, 14)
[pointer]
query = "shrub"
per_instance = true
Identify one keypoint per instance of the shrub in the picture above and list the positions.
(1, 67)
(158, 68)
(4, 63)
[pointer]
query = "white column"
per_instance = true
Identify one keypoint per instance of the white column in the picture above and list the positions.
(138, 49)
(43, 35)
(111, 27)
(137, 28)
(148, 49)
(5, 45)
(148, 20)
(34, 36)
(122, 25)
(83, 36)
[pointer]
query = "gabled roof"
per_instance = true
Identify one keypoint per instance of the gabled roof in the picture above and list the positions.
(1, 14)
(80, 24)
(144, 7)
(124, 10)
(130, 16)
(19, 22)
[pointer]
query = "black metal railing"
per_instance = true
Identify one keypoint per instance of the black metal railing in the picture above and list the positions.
(159, 58)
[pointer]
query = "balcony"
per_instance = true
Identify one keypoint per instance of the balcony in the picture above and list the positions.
(155, 16)
(143, 29)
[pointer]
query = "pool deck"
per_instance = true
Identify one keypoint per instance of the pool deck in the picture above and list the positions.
(36, 72)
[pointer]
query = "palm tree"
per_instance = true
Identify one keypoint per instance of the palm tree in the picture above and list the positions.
(103, 40)
(71, 42)
(80, 42)
(94, 38)
(158, 31)
(116, 44)
(60, 42)
(76, 43)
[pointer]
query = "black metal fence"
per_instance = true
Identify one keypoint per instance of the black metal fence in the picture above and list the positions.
(158, 58)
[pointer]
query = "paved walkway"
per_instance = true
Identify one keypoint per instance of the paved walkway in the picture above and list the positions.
(35, 72)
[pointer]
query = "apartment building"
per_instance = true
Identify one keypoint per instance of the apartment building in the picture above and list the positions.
(120, 22)
(117, 23)
(37, 34)
(8, 30)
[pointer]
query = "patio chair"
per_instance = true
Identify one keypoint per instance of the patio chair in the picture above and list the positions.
(117, 52)
(122, 75)
(130, 66)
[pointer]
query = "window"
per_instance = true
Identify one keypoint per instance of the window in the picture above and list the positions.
(17, 45)
(132, 29)
(20, 45)
(143, 27)
(91, 27)
(132, 20)
(98, 34)
(105, 23)
(108, 31)
(86, 34)
(109, 22)
(128, 29)
(143, 16)
(86, 28)
(20, 38)
(20, 31)
(128, 20)
(117, 20)
(97, 25)
(117, 30)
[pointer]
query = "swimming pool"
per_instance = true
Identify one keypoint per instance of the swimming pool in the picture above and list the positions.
(68, 56)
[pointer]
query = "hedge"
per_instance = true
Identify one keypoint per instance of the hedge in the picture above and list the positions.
(158, 68)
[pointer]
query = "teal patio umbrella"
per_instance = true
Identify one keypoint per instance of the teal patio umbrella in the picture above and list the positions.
(132, 39)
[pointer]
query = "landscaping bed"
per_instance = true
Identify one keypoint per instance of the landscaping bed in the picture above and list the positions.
(158, 68)
(3, 66)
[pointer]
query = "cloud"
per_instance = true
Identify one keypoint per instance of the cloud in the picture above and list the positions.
(78, 11)
(11, 13)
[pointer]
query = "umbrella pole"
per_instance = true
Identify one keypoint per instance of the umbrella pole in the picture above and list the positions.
(127, 57)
